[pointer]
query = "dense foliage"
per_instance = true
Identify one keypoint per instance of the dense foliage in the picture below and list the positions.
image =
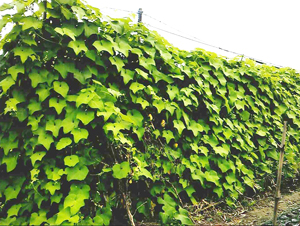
(98, 115)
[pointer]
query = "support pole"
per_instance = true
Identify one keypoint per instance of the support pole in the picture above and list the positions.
(277, 192)
(140, 13)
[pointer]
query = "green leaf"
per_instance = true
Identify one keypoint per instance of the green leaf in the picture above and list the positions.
(69, 124)
(221, 151)
(23, 52)
(38, 156)
(123, 47)
(61, 87)
(6, 6)
(15, 70)
(38, 218)
(11, 161)
(219, 191)
(85, 116)
(29, 22)
(142, 102)
(195, 127)
(142, 73)
(159, 105)
(37, 77)
(117, 62)
(79, 134)
(172, 91)
(64, 68)
(53, 126)
(179, 125)
(135, 86)
(64, 214)
(78, 46)
(14, 210)
(168, 135)
(45, 139)
(121, 170)
(12, 191)
(79, 172)
(84, 98)
(212, 176)
(231, 178)
(34, 106)
(53, 173)
(71, 160)
(66, 31)
(58, 104)
(90, 29)
(127, 75)
(183, 217)
(7, 83)
(52, 186)
(56, 198)
(63, 143)
(11, 105)
(75, 202)
(104, 45)
(262, 132)
(245, 115)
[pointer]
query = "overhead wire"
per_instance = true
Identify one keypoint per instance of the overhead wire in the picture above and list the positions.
(193, 38)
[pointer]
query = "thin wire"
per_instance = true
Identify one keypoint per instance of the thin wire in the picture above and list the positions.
(128, 11)
(195, 39)
(216, 47)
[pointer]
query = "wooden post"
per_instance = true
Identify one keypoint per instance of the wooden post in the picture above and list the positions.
(277, 192)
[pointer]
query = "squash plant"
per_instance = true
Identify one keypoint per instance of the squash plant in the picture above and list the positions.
(102, 118)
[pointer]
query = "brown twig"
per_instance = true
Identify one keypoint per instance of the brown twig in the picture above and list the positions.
(211, 205)
(127, 206)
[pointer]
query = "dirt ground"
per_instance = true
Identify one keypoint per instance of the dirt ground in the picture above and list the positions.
(254, 211)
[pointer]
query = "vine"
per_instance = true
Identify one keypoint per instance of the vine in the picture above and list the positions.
(102, 118)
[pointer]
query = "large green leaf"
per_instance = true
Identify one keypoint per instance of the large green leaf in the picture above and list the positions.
(45, 139)
(121, 170)
(23, 53)
(63, 143)
(71, 160)
(15, 70)
(52, 186)
(79, 172)
(58, 104)
(79, 134)
(104, 45)
(6, 83)
(61, 87)
(31, 22)
(38, 156)
(78, 46)
(85, 116)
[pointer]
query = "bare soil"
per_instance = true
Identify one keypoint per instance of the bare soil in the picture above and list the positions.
(251, 211)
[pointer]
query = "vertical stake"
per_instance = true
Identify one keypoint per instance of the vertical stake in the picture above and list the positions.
(277, 192)
(140, 13)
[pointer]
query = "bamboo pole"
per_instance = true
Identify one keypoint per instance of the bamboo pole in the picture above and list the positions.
(277, 192)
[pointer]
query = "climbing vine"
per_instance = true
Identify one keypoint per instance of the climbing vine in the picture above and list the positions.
(101, 118)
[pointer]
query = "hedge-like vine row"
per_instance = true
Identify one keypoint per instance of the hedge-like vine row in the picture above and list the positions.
(100, 117)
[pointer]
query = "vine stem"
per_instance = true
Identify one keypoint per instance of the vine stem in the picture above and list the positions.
(123, 193)
(128, 210)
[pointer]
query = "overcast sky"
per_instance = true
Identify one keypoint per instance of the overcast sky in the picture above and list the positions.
(266, 30)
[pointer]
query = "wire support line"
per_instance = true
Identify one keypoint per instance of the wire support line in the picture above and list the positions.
(167, 25)
(216, 47)
(195, 39)
(111, 8)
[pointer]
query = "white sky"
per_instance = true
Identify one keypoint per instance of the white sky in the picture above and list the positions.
(267, 30)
